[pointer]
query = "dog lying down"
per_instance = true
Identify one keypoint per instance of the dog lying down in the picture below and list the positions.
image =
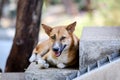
(60, 50)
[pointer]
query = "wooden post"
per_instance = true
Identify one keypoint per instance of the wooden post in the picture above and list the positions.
(26, 36)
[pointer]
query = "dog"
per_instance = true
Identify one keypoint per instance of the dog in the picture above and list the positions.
(60, 50)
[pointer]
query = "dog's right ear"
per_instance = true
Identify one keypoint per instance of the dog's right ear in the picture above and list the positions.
(47, 28)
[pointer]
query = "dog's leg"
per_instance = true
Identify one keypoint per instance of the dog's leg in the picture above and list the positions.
(61, 65)
(46, 65)
(42, 48)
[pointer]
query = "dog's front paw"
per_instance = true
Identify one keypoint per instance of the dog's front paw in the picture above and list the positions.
(42, 64)
(46, 65)
(61, 65)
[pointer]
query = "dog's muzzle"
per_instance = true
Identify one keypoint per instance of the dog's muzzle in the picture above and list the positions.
(58, 48)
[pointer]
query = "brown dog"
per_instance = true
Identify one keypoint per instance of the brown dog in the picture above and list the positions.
(61, 49)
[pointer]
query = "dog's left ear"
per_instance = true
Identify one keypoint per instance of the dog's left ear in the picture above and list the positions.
(71, 27)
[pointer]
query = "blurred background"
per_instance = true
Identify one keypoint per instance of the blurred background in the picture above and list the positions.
(87, 13)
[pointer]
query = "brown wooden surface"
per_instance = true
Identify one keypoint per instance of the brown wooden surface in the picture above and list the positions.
(26, 36)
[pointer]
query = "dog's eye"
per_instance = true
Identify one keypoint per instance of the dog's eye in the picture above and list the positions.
(62, 38)
(53, 37)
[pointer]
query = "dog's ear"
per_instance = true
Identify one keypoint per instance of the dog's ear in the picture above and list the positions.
(71, 27)
(47, 28)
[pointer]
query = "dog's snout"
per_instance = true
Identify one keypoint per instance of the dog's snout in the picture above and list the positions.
(55, 49)
(56, 46)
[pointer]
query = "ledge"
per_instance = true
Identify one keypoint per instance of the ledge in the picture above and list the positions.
(97, 43)
(33, 72)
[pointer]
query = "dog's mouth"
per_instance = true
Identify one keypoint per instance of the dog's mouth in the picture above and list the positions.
(58, 53)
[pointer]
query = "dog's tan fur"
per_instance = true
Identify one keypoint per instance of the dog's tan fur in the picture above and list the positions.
(69, 55)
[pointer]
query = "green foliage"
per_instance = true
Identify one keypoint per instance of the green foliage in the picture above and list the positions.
(105, 13)
(110, 10)
(55, 1)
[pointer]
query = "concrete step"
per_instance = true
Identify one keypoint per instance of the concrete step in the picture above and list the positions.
(12, 76)
(34, 73)
(97, 43)
(108, 61)
(110, 71)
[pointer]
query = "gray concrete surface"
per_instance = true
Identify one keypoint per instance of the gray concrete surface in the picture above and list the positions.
(109, 71)
(34, 73)
(12, 76)
(98, 42)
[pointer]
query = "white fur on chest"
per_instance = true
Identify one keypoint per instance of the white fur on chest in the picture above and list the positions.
(63, 58)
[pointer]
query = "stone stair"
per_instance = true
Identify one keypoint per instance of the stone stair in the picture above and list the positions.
(33, 72)
(97, 43)
(12, 76)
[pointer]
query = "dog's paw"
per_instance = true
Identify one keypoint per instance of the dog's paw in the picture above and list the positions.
(41, 61)
(42, 64)
(46, 65)
(61, 65)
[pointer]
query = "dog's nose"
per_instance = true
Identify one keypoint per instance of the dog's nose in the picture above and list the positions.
(55, 49)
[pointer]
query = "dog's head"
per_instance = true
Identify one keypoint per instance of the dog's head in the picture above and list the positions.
(61, 37)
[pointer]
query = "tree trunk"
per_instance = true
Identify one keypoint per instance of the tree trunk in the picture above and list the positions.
(26, 36)
(1, 7)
